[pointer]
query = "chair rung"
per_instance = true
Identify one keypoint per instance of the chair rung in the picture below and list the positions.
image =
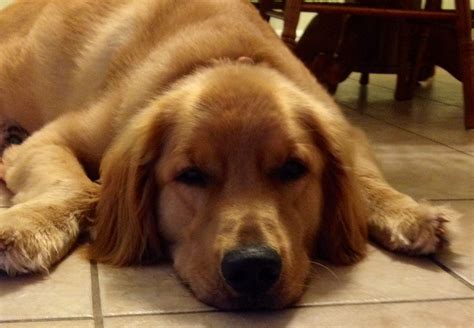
(384, 12)
(275, 14)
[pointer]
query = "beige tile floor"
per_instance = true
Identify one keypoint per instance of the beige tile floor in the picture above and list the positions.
(423, 150)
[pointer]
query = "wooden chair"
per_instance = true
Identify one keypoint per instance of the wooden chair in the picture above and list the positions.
(459, 19)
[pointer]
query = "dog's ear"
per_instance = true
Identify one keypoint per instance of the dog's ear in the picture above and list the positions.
(126, 227)
(342, 234)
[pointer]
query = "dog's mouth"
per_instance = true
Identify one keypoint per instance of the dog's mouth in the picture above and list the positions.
(254, 277)
(281, 297)
(220, 296)
(229, 301)
(254, 302)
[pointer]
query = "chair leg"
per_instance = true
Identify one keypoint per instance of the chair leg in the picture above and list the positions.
(404, 90)
(263, 7)
(364, 78)
(421, 49)
(291, 18)
(468, 88)
(466, 60)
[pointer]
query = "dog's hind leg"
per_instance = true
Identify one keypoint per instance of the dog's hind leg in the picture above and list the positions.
(53, 200)
(396, 221)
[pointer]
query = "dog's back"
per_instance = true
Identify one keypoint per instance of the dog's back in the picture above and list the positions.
(40, 43)
(58, 55)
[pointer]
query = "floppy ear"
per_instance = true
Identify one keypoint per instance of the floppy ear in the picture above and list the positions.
(126, 230)
(342, 234)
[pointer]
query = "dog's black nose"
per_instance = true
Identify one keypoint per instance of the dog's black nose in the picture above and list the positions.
(252, 269)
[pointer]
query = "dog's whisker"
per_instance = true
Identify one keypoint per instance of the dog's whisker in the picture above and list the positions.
(307, 286)
(326, 268)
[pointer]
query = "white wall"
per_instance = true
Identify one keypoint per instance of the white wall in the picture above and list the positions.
(3, 3)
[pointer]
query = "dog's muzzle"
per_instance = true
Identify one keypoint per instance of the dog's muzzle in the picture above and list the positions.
(251, 270)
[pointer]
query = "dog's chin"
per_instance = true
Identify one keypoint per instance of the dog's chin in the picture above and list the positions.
(229, 301)
(211, 289)
(246, 303)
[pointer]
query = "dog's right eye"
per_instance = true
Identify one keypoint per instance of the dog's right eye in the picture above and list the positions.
(290, 171)
(193, 177)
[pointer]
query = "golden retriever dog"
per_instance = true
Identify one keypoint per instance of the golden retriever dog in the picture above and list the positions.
(186, 130)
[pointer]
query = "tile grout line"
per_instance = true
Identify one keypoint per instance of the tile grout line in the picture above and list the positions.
(46, 320)
(452, 273)
(403, 129)
(414, 95)
(450, 199)
(96, 300)
(296, 307)
(387, 301)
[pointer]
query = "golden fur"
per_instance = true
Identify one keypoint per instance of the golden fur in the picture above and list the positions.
(138, 91)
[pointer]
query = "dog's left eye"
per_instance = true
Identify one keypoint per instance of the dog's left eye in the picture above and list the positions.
(193, 176)
(290, 171)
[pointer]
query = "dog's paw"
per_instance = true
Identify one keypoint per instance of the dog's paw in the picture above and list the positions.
(20, 252)
(415, 230)
(30, 243)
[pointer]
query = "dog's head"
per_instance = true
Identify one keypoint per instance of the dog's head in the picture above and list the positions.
(241, 178)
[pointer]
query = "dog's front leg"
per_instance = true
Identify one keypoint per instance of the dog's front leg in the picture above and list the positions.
(53, 200)
(397, 221)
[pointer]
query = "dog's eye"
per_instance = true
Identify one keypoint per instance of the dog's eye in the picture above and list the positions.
(193, 177)
(292, 170)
